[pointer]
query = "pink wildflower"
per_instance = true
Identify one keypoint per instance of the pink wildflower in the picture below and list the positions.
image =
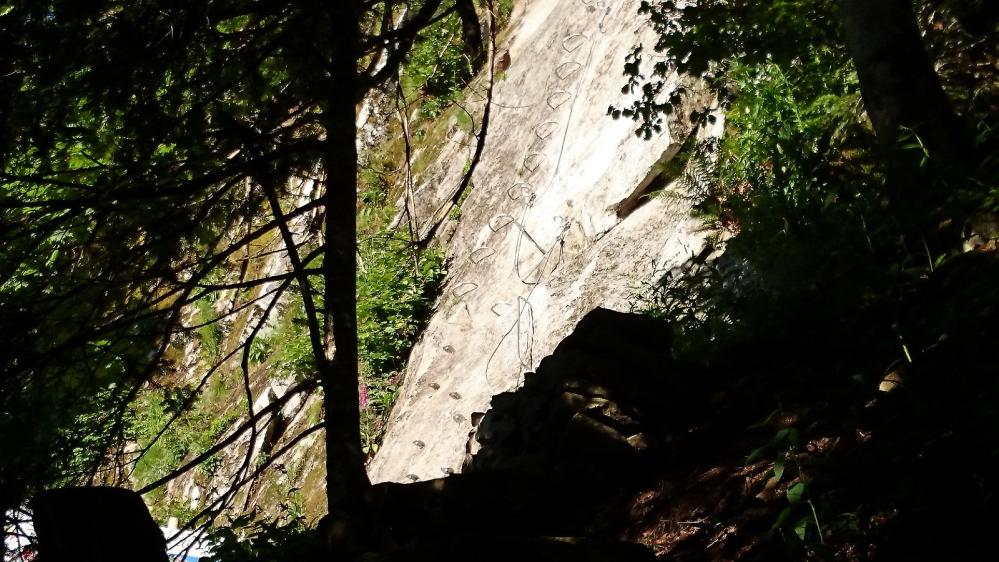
(364, 396)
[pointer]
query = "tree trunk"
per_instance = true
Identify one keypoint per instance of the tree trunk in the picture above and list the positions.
(346, 479)
(471, 33)
(901, 90)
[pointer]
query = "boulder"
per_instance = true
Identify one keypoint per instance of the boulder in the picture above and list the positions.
(95, 524)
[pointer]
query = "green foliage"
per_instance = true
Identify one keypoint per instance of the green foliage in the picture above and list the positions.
(455, 212)
(823, 247)
(396, 283)
(504, 9)
(799, 183)
(373, 184)
(703, 38)
(247, 539)
(799, 519)
(395, 291)
(209, 333)
(792, 175)
(93, 423)
(294, 348)
(61, 432)
(816, 226)
(819, 247)
(260, 349)
(463, 119)
(112, 142)
(793, 180)
(437, 68)
(162, 508)
(396, 287)
(135, 138)
(191, 434)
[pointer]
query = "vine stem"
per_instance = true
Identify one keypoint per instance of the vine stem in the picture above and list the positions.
(808, 499)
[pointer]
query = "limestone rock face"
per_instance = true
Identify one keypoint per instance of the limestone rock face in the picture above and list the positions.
(553, 228)
(594, 409)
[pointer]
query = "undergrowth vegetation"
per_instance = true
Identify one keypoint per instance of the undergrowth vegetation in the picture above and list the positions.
(192, 433)
(437, 69)
(153, 302)
(790, 185)
(826, 269)
(396, 287)
(805, 211)
(397, 282)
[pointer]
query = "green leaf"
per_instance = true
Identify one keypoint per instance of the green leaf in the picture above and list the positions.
(801, 528)
(796, 493)
(779, 468)
(787, 436)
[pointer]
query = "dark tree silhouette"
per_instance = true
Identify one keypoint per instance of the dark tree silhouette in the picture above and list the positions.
(138, 140)
(901, 90)
(900, 87)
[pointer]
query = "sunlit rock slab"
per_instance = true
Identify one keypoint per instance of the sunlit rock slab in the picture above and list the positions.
(539, 242)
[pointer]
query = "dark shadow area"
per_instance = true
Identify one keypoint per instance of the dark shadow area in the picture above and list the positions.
(554, 457)
(838, 439)
(95, 524)
(835, 440)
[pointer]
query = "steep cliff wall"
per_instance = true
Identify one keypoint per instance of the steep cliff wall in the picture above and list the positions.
(554, 226)
(560, 218)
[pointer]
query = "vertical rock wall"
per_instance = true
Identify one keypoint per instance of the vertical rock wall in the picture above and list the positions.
(540, 240)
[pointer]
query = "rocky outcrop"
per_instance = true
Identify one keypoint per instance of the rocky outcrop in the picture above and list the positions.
(554, 457)
(96, 523)
(543, 237)
(594, 409)
(779, 438)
